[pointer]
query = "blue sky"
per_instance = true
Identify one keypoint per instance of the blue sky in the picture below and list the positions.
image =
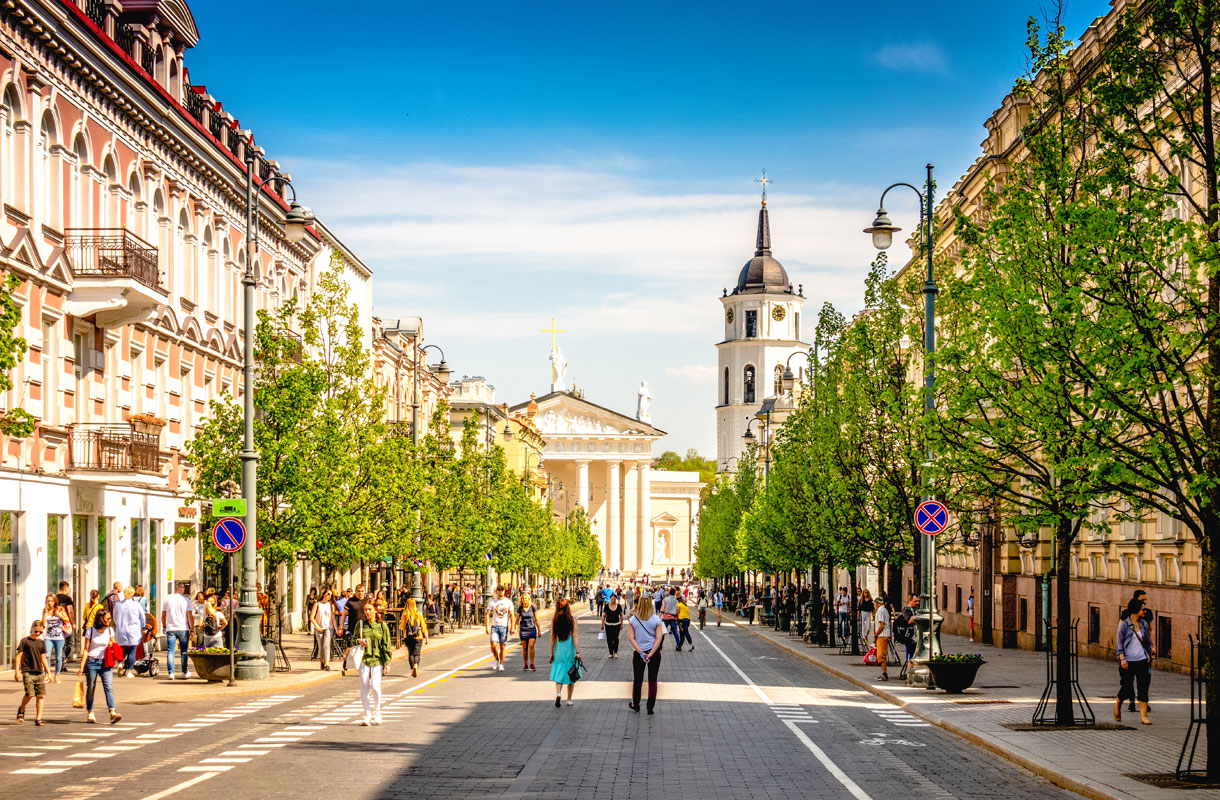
(500, 164)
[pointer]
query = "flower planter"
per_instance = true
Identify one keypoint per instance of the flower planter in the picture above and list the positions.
(214, 666)
(954, 677)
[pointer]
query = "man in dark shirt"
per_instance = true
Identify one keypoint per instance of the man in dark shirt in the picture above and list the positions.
(31, 669)
(354, 610)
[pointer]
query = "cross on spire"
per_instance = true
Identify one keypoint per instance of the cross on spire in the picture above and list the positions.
(553, 330)
(764, 180)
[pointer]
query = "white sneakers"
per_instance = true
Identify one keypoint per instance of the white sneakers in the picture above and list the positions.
(496, 666)
(377, 718)
(171, 676)
(364, 723)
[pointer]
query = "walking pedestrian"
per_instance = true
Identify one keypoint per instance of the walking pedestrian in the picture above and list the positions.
(214, 623)
(91, 606)
(1142, 597)
(565, 649)
(527, 625)
(310, 600)
(718, 599)
(970, 612)
(881, 622)
(64, 597)
(865, 610)
(498, 623)
(843, 610)
(30, 667)
(414, 634)
(95, 664)
(669, 612)
(612, 624)
(56, 626)
(128, 619)
(683, 623)
(322, 624)
(176, 621)
(198, 611)
(1135, 653)
(645, 634)
(141, 598)
(373, 635)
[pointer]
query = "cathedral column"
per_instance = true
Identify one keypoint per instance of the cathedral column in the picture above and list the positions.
(645, 546)
(582, 485)
(631, 552)
(612, 517)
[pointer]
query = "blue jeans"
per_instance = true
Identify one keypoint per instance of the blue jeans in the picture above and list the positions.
(671, 625)
(55, 654)
(94, 668)
(129, 656)
(175, 640)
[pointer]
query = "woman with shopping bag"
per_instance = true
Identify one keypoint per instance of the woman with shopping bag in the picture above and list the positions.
(370, 654)
(102, 654)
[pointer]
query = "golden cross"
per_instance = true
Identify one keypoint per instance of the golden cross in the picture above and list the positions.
(553, 330)
(764, 180)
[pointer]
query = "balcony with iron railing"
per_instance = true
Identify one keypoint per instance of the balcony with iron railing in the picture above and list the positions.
(115, 453)
(116, 275)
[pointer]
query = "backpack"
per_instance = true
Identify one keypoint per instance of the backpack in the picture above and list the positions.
(904, 631)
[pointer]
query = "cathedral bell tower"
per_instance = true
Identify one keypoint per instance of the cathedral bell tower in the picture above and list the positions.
(762, 327)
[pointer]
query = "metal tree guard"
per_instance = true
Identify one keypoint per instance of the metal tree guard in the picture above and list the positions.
(1044, 714)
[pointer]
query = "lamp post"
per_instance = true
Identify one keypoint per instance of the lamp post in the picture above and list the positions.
(248, 612)
(442, 372)
(789, 378)
(927, 621)
(764, 421)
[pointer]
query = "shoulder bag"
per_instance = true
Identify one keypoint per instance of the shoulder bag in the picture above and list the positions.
(355, 653)
(576, 671)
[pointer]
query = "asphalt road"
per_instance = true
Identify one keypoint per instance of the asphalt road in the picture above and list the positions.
(737, 718)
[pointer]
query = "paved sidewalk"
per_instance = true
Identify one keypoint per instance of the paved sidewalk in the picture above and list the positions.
(1096, 763)
(298, 647)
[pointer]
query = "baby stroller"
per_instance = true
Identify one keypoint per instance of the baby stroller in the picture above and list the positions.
(146, 659)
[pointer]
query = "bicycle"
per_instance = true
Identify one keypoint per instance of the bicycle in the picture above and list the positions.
(702, 618)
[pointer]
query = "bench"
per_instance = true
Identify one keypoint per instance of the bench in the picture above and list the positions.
(436, 626)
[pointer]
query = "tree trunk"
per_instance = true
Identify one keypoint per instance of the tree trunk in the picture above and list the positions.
(1209, 652)
(893, 585)
(854, 615)
(1064, 709)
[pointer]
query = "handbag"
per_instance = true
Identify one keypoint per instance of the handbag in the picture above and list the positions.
(601, 636)
(78, 695)
(355, 653)
(871, 656)
(576, 671)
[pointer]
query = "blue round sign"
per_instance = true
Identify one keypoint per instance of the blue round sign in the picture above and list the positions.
(229, 534)
(931, 517)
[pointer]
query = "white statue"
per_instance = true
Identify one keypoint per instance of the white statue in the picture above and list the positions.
(643, 403)
(662, 546)
(559, 367)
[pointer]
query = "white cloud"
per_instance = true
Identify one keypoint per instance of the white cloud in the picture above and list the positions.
(694, 373)
(914, 56)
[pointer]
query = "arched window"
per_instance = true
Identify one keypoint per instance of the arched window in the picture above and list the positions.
(47, 183)
(80, 185)
(184, 263)
(137, 218)
(211, 280)
(110, 209)
(779, 380)
(748, 384)
(726, 386)
(10, 109)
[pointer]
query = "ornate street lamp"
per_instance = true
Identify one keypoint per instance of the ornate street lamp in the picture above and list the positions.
(748, 437)
(927, 621)
(789, 379)
(249, 614)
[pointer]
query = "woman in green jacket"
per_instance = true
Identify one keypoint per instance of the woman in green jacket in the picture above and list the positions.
(374, 636)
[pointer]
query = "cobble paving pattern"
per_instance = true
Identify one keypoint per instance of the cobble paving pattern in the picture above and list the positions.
(462, 730)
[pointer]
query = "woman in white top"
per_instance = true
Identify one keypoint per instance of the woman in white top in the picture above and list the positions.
(97, 638)
(645, 633)
(213, 624)
(198, 610)
(321, 622)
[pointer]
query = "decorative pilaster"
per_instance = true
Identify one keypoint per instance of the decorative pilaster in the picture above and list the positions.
(582, 485)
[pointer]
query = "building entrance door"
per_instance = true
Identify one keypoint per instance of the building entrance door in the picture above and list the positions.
(8, 582)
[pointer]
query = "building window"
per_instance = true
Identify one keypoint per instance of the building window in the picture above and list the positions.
(944, 595)
(1164, 636)
(796, 326)
(779, 380)
(726, 386)
(52, 552)
(748, 385)
(1094, 632)
(751, 324)
(1023, 614)
(958, 599)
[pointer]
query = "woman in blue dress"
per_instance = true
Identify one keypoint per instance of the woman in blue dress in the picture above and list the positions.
(564, 649)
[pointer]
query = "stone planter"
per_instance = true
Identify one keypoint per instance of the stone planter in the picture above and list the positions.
(213, 667)
(953, 676)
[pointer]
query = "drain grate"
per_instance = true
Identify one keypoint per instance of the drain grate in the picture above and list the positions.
(997, 687)
(979, 702)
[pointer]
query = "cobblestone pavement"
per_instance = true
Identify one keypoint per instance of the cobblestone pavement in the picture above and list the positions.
(738, 718)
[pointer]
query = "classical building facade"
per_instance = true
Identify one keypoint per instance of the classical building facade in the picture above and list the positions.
(601, 461)
(122, 210)
(762, 329)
